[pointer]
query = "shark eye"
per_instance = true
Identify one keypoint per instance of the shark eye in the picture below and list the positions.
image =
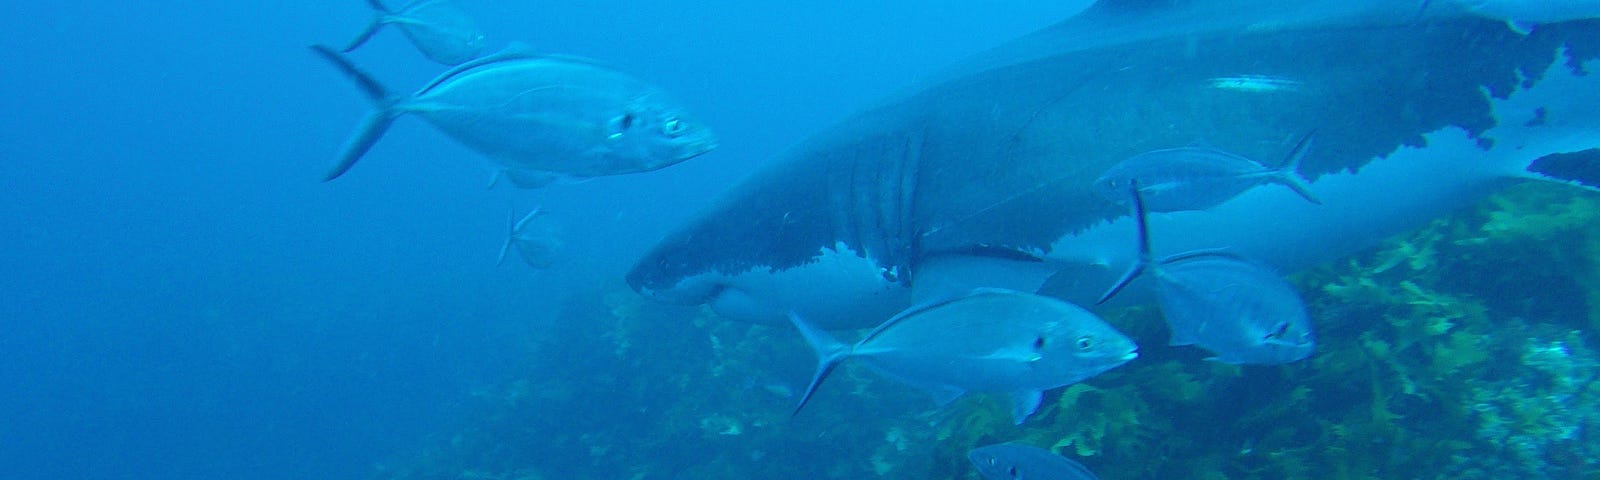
(673, 127)
(992, 462)
(1085, 342)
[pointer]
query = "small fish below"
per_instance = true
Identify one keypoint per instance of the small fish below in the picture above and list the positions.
(539, 243)
(1255, 84)
(546, 116)
(1198, 178)
(438, 28)
(1011, 461)
(1234, 307)
(988, 340)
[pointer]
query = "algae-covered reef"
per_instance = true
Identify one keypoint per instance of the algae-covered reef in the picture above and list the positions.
(1463, 350)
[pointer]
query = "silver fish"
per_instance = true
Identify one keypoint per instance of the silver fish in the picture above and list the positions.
(539, 243)
(989, 340)
(438, 28)
(538, 114)
(1010, 461)
(1198, 178)
(1241, 311)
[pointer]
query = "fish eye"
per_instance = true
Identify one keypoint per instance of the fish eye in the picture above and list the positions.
(673, 127)
(1085, 342)
(625, 122)
(1038, 342)
(1012, 472)
(991, 461)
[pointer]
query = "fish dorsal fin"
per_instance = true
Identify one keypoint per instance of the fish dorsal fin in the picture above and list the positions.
(1143, 262)
(919, 308)
(513, 52)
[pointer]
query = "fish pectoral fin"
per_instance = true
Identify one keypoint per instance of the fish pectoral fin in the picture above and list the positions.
(1024, 403)
(1019, 355)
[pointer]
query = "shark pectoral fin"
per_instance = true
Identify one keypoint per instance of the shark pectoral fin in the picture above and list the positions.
(1024, 403)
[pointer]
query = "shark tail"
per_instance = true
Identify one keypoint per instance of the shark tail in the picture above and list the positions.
(1145, 257)
(372, 28)
(1581, 168)
(373, 127)
(830, 351)
(1289, 173)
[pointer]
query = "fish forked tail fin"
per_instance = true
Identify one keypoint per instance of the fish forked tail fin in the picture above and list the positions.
(830, 351)
(381, 13)
(512, 226)
(373, 127)
(1289, 173)
(1145, 259)
(511, 236)
(1581, 168)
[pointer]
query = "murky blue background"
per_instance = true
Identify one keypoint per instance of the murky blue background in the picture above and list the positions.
(181, 298)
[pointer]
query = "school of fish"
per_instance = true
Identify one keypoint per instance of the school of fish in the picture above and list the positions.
(543, 118)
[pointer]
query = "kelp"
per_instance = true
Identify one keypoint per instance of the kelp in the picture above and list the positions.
(1461, 350)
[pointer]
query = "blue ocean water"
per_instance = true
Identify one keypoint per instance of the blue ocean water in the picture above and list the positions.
(182, 298)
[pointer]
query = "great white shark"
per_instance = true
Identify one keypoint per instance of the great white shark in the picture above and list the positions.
(982, 177)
